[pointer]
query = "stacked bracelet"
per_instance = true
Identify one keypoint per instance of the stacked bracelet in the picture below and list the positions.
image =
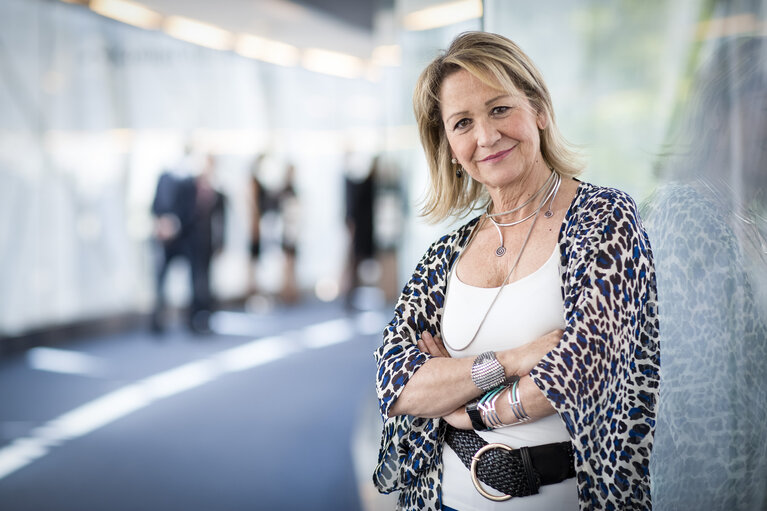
(484, 415)
(516, 404)
(487, 373)
(487, 408)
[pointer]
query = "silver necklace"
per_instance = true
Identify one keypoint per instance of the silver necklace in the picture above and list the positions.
(549, 213)
(551, 194)
(500, 288)
(528, 201)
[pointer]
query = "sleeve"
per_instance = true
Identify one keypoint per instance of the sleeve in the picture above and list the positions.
(409, 444)
(399, 358)
(162, 202)
(602, 378)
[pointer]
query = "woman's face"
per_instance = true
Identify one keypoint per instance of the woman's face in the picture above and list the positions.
(493, 134)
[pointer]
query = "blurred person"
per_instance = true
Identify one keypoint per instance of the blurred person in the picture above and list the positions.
(359, 200)
(189, 225)
(708, 227)
(288, 206)
(534, 324)
(173, 211)
(259, 202)
(207, 240)
(389, 217)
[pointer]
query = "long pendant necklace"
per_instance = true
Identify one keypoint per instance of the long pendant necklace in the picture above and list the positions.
(550, 195)
(500, 288)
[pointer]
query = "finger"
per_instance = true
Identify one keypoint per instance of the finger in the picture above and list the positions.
(441, 346)
(429, 344)
(436, 347)
(423, 343)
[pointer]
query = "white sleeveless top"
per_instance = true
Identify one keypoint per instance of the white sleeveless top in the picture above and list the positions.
(525, 310)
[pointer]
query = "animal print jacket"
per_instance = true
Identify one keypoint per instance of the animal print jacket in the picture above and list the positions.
(602, 378)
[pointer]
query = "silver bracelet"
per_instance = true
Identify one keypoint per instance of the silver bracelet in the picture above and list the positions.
(515, 402)
(487, 408)
(487, 372)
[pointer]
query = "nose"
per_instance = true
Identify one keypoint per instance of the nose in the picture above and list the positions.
(487, 134)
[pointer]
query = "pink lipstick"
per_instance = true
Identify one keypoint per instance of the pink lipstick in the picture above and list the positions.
(497, 156)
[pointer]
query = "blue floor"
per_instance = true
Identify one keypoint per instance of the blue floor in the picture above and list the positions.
(217, 422)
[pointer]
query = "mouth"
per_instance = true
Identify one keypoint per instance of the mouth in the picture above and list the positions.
(497, 156)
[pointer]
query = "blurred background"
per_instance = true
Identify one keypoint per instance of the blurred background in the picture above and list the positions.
(156, 355)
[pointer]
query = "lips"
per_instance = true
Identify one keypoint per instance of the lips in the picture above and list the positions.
(497, 156)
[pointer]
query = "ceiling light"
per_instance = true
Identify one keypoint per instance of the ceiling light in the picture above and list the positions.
(268, 50)
(332, 63)
(387, 55)
(198, 32)
(443, 14)
(127, 12)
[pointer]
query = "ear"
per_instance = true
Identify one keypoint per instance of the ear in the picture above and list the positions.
(541, 121)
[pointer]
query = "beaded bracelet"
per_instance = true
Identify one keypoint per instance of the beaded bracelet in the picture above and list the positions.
(515, 403)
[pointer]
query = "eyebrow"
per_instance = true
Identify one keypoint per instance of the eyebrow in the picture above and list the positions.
(487, 103)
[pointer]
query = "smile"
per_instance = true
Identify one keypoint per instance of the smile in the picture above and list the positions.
(497, 156)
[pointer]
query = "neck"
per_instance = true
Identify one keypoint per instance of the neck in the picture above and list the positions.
(514, 195)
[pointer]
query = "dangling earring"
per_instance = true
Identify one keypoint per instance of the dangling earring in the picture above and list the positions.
(459, 170)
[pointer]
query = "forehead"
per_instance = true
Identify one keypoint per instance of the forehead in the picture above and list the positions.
(461, 89)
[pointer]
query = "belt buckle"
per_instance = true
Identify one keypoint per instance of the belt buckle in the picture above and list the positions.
(475, 479)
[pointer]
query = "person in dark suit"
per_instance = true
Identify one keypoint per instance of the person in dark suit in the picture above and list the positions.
(360, 197)
(173, 209)
(189, 224)
(207, 239)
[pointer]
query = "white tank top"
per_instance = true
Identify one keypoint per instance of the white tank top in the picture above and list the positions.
(525, 310)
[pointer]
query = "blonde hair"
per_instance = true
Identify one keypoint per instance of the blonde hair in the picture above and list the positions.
(499, 63)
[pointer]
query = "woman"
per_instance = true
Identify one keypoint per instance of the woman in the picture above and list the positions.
(543, 307)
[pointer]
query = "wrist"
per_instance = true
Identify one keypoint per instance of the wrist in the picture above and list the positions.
(475, 416)
(507, 359)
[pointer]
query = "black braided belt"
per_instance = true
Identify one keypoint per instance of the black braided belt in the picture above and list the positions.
(513, 472)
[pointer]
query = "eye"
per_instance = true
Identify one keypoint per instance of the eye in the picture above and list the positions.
(500, 110)
(463, 123)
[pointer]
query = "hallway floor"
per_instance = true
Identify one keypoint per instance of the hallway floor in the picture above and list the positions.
(272, 411)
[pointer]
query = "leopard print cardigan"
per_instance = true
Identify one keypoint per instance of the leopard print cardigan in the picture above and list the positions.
(602, 378)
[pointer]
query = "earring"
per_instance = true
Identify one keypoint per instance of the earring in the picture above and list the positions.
(459, 170)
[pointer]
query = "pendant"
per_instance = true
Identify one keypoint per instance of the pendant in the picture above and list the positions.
(500, 251)
(548, 214)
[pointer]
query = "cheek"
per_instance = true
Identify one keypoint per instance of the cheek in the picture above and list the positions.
(460, 148)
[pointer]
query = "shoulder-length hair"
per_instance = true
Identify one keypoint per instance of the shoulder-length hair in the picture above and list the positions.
(499, 63)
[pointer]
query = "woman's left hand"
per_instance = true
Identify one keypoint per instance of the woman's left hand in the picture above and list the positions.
(432, 345)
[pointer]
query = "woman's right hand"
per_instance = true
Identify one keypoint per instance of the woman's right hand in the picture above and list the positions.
(524, 358)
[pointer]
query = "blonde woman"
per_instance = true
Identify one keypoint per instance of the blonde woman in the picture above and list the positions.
(520, 370)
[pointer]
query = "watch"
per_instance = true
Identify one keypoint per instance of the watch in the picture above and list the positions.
(476, 416)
